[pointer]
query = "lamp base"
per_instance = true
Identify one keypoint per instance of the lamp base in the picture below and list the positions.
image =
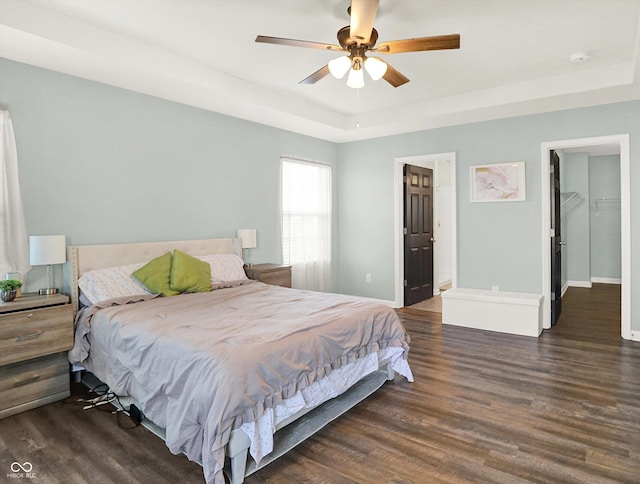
(48, 291)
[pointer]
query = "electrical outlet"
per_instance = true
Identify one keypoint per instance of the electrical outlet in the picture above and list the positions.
(495, 288)
(367, 278)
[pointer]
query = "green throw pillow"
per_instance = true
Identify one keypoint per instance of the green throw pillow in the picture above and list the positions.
(155, 275)
(189, 274)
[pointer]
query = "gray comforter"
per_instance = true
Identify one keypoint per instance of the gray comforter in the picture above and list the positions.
(202, 364)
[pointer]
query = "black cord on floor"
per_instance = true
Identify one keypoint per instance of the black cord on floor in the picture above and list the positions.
(105, 401)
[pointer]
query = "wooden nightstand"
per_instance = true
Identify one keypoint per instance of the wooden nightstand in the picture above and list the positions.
(276, 274)
(35, 332)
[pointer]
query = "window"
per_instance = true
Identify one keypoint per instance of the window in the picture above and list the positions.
(306, 223)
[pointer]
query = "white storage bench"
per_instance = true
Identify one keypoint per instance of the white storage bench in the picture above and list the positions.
(506, 312)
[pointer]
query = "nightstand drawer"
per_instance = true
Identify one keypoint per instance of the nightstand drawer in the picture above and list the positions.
(29, 334)
(277, 278)
(31, 383)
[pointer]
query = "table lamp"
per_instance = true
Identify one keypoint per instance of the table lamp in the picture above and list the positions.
(47, 250)
(248, 237)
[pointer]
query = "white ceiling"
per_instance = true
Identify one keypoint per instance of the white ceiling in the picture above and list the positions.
(514, 57)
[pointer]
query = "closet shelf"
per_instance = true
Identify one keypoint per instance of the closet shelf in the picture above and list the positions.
(570, 200)
(606, 203)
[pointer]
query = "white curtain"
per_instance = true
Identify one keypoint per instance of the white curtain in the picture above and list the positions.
(14, 248)
(306, 223)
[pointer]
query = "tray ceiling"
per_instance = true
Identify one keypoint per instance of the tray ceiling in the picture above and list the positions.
(514, 57)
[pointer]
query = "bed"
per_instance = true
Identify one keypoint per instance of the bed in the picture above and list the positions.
(237, 375)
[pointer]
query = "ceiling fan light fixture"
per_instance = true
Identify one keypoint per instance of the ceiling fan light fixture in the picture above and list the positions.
(356, 78)
(339, 67)
(358, 39)
(375, 67)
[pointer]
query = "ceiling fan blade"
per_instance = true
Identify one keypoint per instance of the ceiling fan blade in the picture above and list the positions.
(316, 76)
(363, 15)
(439, 42)
(393, 77)
(297, 43)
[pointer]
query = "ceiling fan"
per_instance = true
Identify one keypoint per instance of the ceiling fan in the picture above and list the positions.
(358, 39)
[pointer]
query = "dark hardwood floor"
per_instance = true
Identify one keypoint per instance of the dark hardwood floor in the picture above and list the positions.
(485, 407)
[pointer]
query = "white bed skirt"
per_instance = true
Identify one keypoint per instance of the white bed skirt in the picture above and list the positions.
(261, 431)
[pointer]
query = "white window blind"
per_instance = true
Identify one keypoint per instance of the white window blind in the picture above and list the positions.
(306, 223)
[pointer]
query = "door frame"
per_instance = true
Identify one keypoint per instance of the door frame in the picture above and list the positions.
(625, 226)
(425, 161)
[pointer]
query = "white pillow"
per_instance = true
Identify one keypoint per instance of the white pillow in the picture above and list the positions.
(101, 284)
(225, 267)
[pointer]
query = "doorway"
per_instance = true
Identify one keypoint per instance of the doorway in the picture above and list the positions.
(622, 142)
(444, 248)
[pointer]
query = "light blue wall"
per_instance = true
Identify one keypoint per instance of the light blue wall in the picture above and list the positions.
(106, 165)
(575, 167)
(498, 243)
(102, 164)
(604, 176)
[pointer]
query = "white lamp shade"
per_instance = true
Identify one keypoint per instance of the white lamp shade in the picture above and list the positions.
(248, 237)
(375, 67)
(339, 67)
(355, 79)
(47, 249)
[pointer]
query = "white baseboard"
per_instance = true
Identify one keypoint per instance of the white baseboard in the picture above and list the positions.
(635, 335)
(564, 289)
(505, 312)
(606, 280)
(391, 304)
(445, 282)
(579, 284)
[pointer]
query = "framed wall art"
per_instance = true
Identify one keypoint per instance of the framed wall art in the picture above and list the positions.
(500, 182)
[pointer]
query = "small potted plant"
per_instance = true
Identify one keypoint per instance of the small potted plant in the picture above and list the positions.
(8, 289)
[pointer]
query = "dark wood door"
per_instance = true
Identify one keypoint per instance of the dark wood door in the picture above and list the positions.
(556, 241)
(418, 238)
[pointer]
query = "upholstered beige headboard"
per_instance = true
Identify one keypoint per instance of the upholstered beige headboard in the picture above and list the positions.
(83, 258)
